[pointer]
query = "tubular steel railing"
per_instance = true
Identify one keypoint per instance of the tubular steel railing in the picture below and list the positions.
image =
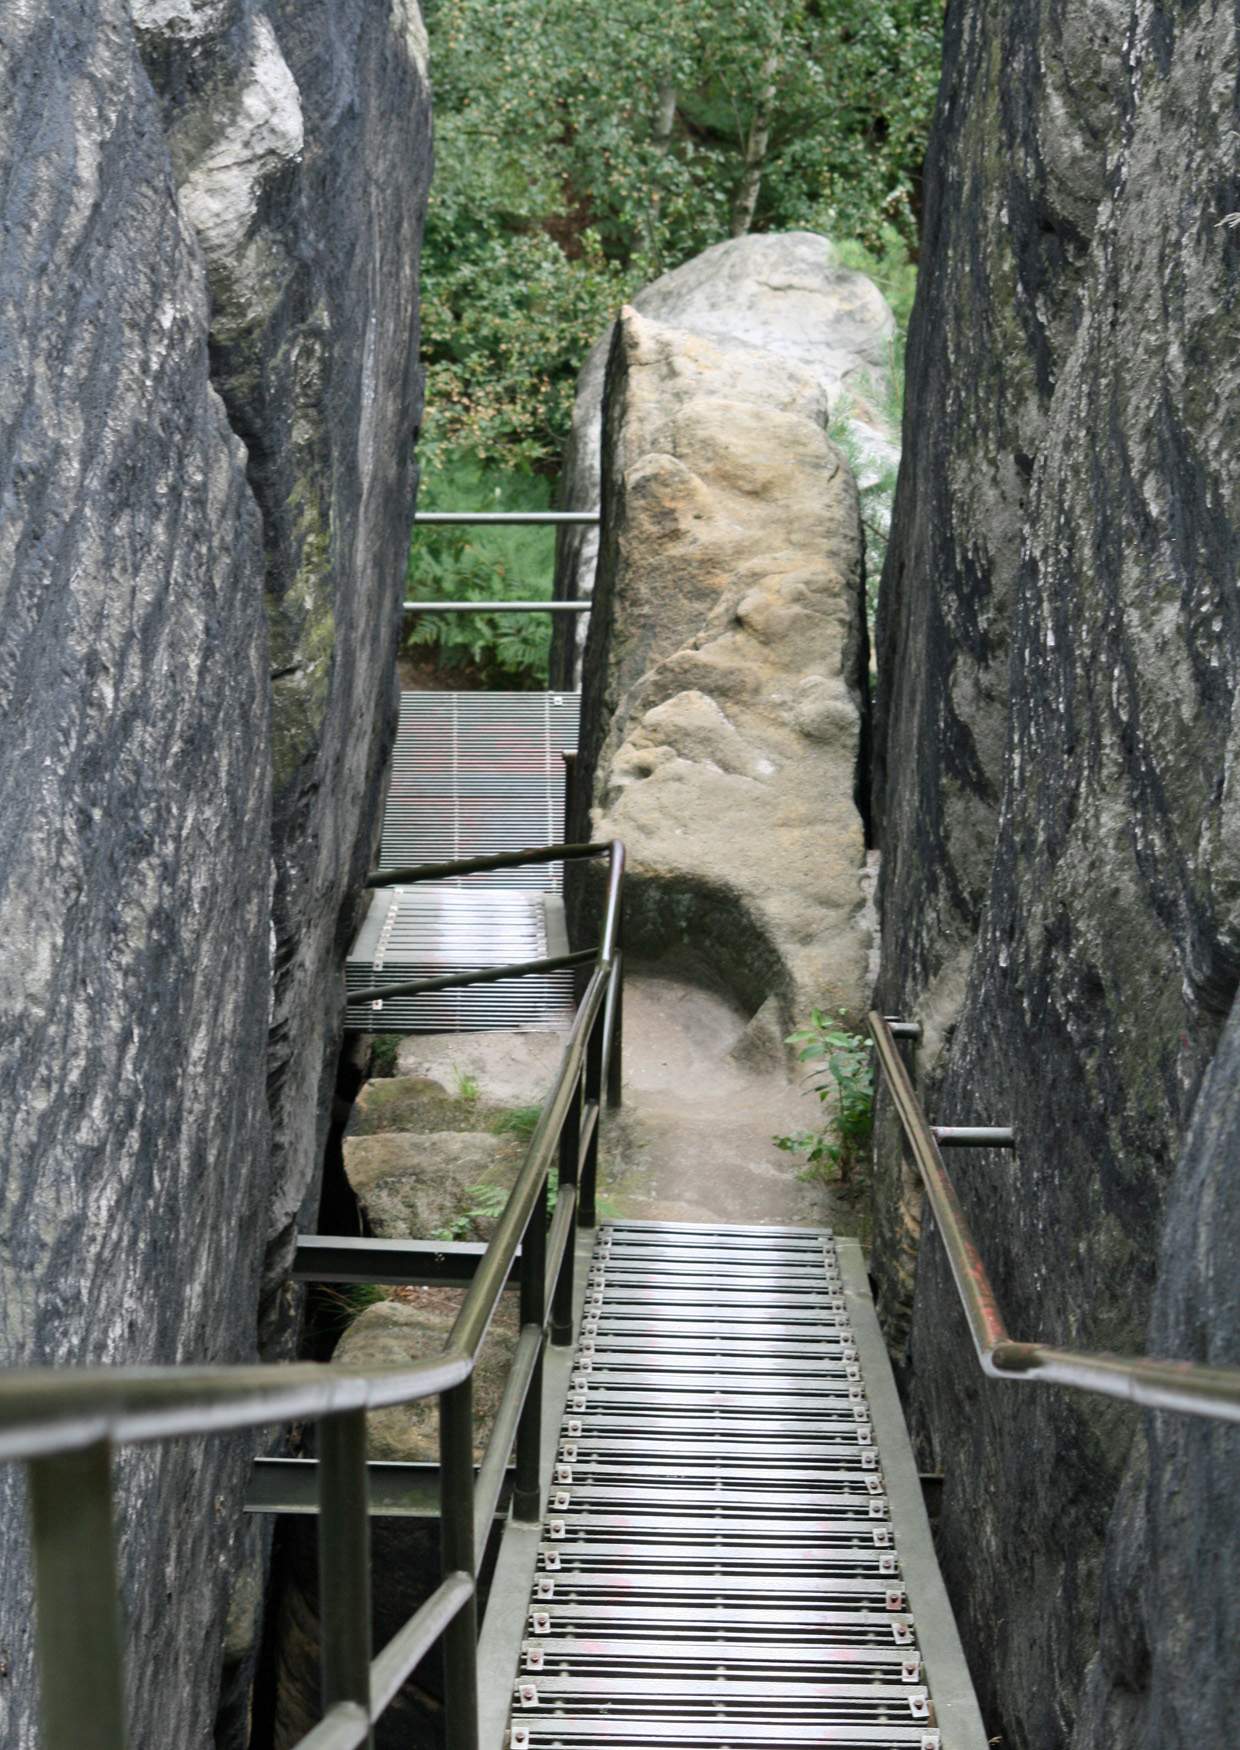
(1185, 1386)
(502, 519)
(505, 518)
(573, 607)
(65, 1422)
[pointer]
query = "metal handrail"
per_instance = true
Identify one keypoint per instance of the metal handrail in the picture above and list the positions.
(504, 607)
(502, 519)
(413, 873)
(1185, 1386)
(64, 1422)
(416, 872)
(508, 518)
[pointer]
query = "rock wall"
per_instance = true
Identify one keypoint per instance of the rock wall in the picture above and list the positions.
(782, 292)
(1056, 744)
(723, 697)
(208, 397)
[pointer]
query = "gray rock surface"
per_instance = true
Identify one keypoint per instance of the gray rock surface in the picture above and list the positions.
(1056, 750)
(207, 394)
(1153, 1683)
(303, 173)
(723, 703)
(780, 292)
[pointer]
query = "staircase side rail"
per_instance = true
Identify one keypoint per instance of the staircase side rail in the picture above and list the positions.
(1184, 1386)
(504, 607)
(415, 872)
(416, 987)
(64, 1424)
(504, 518)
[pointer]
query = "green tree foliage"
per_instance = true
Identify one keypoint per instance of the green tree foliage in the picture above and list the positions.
(583, 150)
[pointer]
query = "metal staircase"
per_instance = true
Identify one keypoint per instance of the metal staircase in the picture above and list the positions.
(712, 1535)
(720, 1563)
(711, 1529)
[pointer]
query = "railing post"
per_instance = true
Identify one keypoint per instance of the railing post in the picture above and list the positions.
(570, 789)
(615, 1062)
(587, 1189)
(78, 1633)
(344, 1562)
(570, 1160)
(456, 1501)
(527, 1492)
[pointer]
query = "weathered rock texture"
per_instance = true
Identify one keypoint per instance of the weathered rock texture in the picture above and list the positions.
(429, 1184)
(723, 693)
(1056, 799)
(207, 402)
(781, 292)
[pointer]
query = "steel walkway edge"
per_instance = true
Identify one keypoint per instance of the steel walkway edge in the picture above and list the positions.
(735, 1550)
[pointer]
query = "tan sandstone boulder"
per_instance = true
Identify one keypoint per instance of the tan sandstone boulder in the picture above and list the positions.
(392, 1334)
(724, 680)
(782, 292)
(446, 1184)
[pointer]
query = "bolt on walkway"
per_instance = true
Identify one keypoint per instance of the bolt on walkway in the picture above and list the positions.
(722, 1560)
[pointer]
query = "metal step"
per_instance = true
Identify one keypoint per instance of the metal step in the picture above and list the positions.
(476, 774)
(718, 1565)
(420, 932)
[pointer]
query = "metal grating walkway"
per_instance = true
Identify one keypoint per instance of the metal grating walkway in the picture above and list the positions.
(476, 774)
(718, 1566)
(473, 775)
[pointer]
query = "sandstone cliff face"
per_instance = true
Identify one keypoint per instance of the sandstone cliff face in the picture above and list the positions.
(207, 403)
(723, 694)
(1056, 747)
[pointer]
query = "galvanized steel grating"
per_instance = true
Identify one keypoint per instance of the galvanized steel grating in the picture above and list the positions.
(420, 932)
(476, 774)
(718, 1565)
(473, 775)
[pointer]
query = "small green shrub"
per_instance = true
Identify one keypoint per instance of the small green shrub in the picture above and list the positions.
(338, 1307)
(383, 1055)
(842, 1076)
(520, 1121)
(487, 1204)
(467, 1088)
